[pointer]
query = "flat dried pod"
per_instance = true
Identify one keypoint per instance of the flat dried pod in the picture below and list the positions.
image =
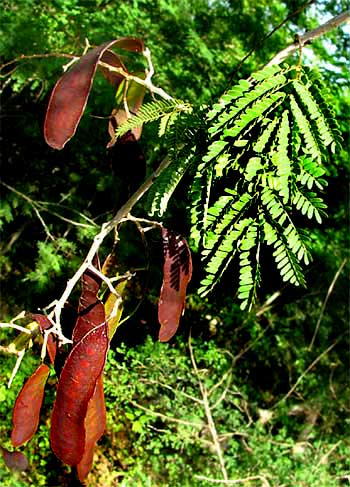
(90, 311)
(70, 94)
(76, 386)
(177, 272)
(26, 412)
(95, 424)
(15, 460)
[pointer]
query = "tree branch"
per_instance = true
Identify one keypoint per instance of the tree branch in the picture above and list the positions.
(40, 205)
(310, 36)
(329, 292)
(267, 36)
(106, 228)
(311, 366)
(207, 410)
(36, 56)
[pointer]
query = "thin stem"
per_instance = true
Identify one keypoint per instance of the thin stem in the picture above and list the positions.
(228, 375)
(327, 455)
(207, 410)
(147, 83)
(43, 204)
(37, 56)
(16, 327)
(40, 205)
(166, 418)
(44, 345)
(329, 292)
(311, 366)
(104, 279)
(152, 223)
(150, 70)
(264, 39)
(33, 205)
(20, 356)
(267, 305)
(42, 221)
(234, 482)
(170, 388)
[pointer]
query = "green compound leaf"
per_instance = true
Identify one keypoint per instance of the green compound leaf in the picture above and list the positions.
(265, 164)
(152, 111)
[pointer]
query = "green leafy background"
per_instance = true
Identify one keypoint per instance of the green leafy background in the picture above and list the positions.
(249, 361)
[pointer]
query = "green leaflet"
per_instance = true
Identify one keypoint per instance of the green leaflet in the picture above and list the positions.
(311, 174)
(311, 147)
(249, 95)
(167, 182)
(249, 268)
(200, 194)
(280, 156)
(222, 216)
(315, 114)
(268, 143)
(265, 136)
(309, 204)
(224, 253)
(251, 113)
(154, 110)
(179, 137)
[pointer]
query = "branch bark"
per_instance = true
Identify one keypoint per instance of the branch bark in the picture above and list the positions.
(311, 36)
(106, 228)
(207, 410)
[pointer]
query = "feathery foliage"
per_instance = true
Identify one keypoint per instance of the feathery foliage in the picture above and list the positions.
(165, 110)
(182, 139)
(262, 168)
(269, 139)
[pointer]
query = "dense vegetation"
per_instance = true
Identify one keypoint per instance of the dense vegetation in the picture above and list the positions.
(261, 394)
